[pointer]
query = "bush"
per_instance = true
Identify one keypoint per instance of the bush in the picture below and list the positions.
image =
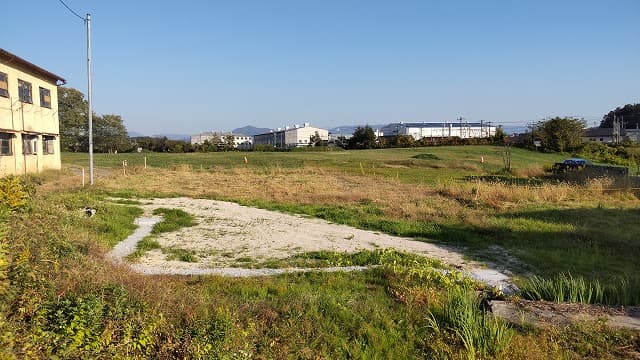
(610, 154)
(13, 194)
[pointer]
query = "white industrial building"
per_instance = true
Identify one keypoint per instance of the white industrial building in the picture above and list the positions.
(463, 130)
(291, 137)
(240, 141)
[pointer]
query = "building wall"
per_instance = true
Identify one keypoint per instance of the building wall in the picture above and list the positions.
(300, 136)
(240, 141)
(22, 119)
(293, 137)
(431, 130)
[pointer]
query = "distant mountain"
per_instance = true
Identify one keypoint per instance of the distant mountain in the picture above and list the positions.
(514, 129)
(250, 130)
(349, 129)
(133, 134)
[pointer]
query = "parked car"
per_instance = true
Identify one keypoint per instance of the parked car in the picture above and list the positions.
(577, 162)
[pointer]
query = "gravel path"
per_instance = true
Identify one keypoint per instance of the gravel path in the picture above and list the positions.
(227, 232)
(128, 246)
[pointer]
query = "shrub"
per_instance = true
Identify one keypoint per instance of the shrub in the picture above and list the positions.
(13, 194)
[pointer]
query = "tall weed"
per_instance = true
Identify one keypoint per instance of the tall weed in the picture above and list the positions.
(482, 334)
(575, 289)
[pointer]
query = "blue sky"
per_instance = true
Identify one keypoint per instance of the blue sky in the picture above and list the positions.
(190, 66)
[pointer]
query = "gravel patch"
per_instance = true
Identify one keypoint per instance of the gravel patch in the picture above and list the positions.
(226, 232)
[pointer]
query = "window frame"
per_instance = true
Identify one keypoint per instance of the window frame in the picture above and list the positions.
(6, 138)
(4, 91)
(47, 93)
(25, 91)
(29, 144)
(48, 144)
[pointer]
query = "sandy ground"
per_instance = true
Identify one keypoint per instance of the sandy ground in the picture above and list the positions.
(227, 232)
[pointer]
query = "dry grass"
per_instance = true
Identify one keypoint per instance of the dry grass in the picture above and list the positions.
(318, 186)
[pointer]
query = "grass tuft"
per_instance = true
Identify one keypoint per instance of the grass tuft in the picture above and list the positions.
(173, 220)
(482, 334)
(576, 289)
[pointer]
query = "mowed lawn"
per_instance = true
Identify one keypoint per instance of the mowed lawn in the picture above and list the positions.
(418, 192)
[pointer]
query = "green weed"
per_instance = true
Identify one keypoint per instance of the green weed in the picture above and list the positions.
(482, 334)
(576, 289)
(172, 220)
(180, 254)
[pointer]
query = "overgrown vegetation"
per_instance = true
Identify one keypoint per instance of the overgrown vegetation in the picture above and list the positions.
(482, 334)
(576, 289)
(62, 299)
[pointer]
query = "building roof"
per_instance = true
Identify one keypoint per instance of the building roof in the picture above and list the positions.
(598, 132)
(294, 128)
(14, 60)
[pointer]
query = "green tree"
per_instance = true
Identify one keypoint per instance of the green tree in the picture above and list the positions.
(499, 136)
(629, 113)
(559, 134)
(363, 138)
(110, 134)
(72, 112)
(315, 140)
(229, 143)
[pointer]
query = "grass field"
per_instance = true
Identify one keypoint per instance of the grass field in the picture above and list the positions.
(441, 163)
(549, 229)
(58, 297)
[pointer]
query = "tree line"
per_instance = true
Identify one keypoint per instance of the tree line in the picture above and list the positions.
(109, 132)
(559, 134)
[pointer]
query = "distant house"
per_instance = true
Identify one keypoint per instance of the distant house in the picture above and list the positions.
(603, 135)
(240, 141)
(29, 125)
(633, 134)
(291, 137)
(439, 130)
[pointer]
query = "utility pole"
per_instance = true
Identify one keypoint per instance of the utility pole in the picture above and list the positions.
(615, 130)
(88, 22)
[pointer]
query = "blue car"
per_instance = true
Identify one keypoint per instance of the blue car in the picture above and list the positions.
(577, 162)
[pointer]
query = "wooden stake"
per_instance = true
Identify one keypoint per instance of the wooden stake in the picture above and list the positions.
(145, 163)
(82, 177)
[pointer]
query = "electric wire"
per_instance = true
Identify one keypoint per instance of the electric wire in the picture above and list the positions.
(71, 10)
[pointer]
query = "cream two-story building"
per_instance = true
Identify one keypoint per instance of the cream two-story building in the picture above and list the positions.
(29, 126)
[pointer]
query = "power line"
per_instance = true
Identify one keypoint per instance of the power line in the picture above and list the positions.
(73, 12)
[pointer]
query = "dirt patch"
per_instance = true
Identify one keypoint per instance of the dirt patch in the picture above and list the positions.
(543, 313)
(227, 234)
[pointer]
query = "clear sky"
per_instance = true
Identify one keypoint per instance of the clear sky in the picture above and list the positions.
(195, 65)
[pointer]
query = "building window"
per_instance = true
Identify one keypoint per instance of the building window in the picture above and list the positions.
(4, 85)
(24, 91)
(45, 98)
(48, 143)
(5, 144)
(29, 144)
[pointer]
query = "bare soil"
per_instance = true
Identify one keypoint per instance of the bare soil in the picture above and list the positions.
(227, 235)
